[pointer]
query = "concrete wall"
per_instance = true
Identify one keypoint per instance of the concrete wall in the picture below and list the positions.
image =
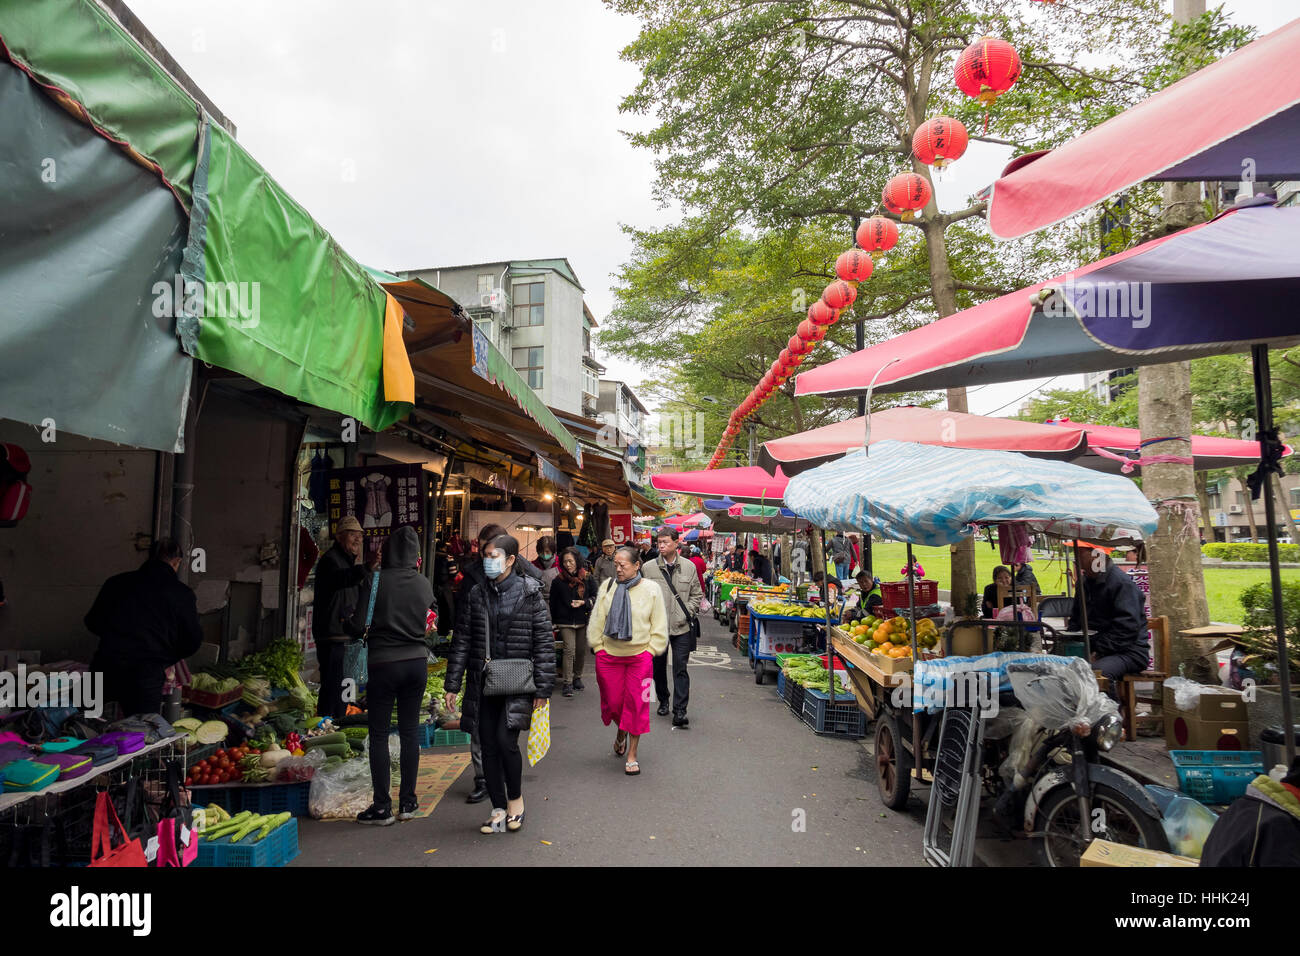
(92, 514)
(92, 503)
(563, 342)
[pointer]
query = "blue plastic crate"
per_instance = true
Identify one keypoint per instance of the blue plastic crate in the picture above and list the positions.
(1216, 776)
(263, 798)
(279, 847)
(780, 684)
(842, 719)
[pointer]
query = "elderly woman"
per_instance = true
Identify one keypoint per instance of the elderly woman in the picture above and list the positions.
(627, 629)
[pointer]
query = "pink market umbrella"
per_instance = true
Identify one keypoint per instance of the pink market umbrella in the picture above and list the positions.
(926, 426)
(746, 485)
(682, 522)
(1115, 449)
(1245, 107)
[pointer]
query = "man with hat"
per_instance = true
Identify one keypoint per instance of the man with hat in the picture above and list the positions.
(603, 566)
(338, 580)
(1115, 612)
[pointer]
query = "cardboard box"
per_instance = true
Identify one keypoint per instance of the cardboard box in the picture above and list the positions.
(1214, 703)
(1105, 853)
(1188, 733)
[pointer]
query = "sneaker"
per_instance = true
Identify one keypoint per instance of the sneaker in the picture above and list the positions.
(577, 684)
(408, 810)
(567, 690)
(376, 817)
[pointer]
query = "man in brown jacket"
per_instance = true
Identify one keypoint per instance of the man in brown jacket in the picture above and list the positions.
(680, 584)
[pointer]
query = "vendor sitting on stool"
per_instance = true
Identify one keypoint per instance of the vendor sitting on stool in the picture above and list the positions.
(1115, 613)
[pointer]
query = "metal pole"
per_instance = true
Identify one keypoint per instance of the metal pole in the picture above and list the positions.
(911, 612)
(826, 603)
(1264, 411)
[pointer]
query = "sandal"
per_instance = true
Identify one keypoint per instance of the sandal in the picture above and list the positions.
(620, 743)
(494, 825)
(632, 768)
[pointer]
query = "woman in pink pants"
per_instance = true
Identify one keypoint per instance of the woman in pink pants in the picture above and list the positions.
(628, 627)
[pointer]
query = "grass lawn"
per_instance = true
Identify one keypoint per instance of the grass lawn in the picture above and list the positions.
(1222, 585)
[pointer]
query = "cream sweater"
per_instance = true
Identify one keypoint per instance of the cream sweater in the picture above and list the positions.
(649, 621)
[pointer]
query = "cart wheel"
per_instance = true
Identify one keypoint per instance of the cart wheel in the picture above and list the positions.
(893, 764)
(760, 672)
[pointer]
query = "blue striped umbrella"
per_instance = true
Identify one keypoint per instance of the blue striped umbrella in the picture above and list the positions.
(935, 495)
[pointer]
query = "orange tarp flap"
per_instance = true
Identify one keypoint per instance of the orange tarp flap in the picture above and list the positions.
(399, 380)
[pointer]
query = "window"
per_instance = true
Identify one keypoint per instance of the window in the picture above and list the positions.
(586, 341)
(485, 284)
(589, 382)
(487, 327)
(528, 362)
(1241, 499)
(529, 299)
(1216, 501)
(1295, 497)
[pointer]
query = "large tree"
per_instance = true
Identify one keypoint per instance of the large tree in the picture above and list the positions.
(770, 113)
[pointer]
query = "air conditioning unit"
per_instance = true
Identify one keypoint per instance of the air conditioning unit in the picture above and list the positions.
(494, 300)
(1235, 509)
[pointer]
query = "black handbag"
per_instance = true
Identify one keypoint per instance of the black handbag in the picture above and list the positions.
(504, 676)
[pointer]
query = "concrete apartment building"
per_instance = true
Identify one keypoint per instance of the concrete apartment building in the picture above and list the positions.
(533, 311)
(620, 410)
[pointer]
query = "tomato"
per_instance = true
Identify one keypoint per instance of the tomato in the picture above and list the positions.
(219, 754)
(224, 763)
(189, 781)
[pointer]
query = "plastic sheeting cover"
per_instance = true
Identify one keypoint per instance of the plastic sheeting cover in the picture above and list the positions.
(85, 234)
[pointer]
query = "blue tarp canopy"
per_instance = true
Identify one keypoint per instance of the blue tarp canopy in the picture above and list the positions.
(933, 495)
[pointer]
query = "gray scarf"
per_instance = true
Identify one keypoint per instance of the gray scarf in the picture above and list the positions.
(619, 623)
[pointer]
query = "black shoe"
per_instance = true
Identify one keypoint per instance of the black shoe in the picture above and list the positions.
(375, 817)
(663, 709)
(577, 684)
(681, 720)
(567, 690)
(407, 810)
(480, 791)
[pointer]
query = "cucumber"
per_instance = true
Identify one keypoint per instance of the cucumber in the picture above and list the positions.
(337, 750)
(324, 740)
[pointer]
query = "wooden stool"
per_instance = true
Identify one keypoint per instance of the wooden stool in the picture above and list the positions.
(1128, 695)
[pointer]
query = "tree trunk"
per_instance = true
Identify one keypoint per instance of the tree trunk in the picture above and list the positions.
(1283, 508)
(1173, 552)
(1249, 506)
(1202, 496)
(943, 289)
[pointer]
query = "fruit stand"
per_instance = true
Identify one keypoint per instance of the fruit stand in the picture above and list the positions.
(778, 627)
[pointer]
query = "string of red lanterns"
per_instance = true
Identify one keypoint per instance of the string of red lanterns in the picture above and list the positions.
(984, 71)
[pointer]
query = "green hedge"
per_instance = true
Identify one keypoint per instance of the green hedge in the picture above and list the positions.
(1249, 552)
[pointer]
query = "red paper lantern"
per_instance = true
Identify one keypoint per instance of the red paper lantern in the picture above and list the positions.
(908, 192)
(822, 314)
(892, 207)
(854, 266)
(839, 295)
(799, 346)
(810, 331)
(878, 233)
(987, 68)
(939, 141)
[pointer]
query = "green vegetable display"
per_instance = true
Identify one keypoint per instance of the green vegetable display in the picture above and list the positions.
(808, 673)
(280, 662)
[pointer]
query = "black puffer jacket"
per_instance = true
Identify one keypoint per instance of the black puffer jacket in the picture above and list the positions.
(521, 628)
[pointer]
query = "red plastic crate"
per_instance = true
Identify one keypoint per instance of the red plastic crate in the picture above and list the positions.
(894, 593)
(206, 698)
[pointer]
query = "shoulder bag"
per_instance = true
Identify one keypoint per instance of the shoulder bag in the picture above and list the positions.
(504, 676)
(694, 620)
(356, 656)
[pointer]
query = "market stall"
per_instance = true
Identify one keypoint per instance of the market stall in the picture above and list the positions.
(931, 717)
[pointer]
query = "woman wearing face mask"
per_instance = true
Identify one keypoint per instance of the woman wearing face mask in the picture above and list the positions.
(571, 598)
(627, 629)
(508, 610)
(545, 553)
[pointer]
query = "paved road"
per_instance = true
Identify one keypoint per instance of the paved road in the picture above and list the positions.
(729, 790)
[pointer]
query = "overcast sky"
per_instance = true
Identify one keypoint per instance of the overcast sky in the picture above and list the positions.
(433, 133)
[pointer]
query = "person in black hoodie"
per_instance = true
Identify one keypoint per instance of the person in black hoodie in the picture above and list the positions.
(572, 595)
(146, 620)
(509, 610)
(398, 671)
